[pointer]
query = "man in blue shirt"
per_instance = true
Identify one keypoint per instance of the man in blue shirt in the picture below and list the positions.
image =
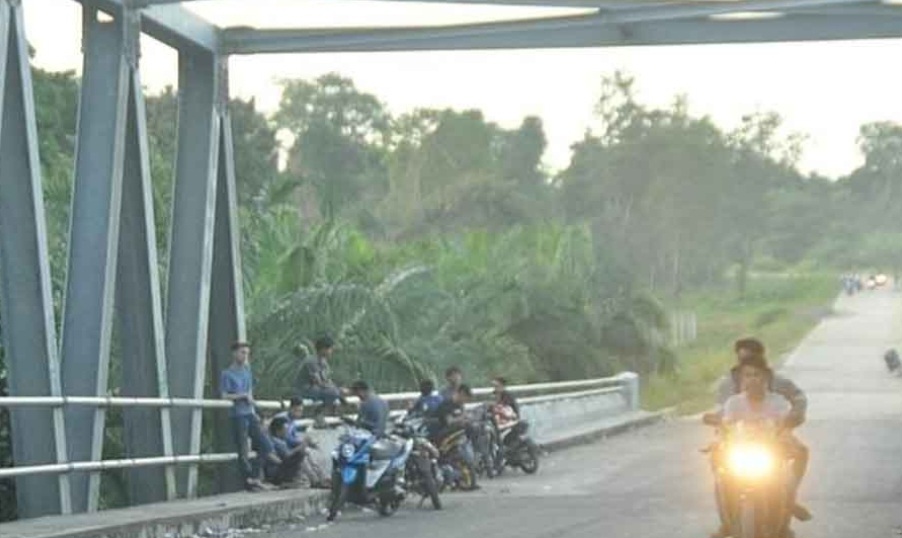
(373, 412)
(428, 401)
(236, 384)
(285, 470)
(295, 413)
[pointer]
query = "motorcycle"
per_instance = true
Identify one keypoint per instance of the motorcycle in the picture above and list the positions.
(368, 471)
(504, 444)
(422, 473)
(454, 463)
(753, 479)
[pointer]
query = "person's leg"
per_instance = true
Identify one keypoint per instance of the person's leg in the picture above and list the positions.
(261, 444)
(239, 432)
(287, 471)
(721, 493)
(800, 455)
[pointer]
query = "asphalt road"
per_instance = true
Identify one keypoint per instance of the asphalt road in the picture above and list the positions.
(653, 482)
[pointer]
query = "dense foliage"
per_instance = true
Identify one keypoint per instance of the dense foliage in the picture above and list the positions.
(436, 237)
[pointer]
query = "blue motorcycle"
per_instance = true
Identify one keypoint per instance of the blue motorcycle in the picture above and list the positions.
(368, 471)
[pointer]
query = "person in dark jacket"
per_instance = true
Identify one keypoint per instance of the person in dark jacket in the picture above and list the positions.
(315, 380)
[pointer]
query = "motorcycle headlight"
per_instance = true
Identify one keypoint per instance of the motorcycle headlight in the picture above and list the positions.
(347, 450)
(750, 461)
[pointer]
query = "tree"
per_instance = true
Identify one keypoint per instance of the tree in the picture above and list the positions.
(340, 140)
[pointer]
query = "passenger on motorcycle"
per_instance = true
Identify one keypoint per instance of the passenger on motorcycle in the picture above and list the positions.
(428, 401)
(373, 412)
(505, 410)
(454, 376)
(751, 391)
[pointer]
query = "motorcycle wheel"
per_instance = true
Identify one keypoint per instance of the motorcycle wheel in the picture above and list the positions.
(746, 521)
(339, 497)
(428, 481)
(388, 504)
(529, 458)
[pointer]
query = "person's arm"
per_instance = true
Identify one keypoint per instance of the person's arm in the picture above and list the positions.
(730, 411)
(725, 390)
(797, 399)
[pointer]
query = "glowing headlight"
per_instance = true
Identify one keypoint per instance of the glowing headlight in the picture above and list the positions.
(347, 450)
(750, 461)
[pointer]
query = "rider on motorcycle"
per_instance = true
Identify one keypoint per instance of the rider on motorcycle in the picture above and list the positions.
(505, 409)
(751, 351)
(450, 417)
(373, 412)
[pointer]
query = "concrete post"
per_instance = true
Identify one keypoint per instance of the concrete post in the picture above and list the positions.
(630, 381)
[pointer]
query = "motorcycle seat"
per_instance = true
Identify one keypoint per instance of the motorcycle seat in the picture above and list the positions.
(386, 449)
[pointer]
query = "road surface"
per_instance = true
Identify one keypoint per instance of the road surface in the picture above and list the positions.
(653, 483)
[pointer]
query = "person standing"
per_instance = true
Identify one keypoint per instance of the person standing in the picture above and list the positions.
(237, 385)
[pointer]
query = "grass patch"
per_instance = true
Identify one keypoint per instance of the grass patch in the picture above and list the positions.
(778, 309)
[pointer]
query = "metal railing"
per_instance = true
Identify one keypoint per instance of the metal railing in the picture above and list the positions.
(626, 383)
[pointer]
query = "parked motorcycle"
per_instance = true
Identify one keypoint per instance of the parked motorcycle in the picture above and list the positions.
(422, 473)
(504, 444)
(453, 461)
(369, 471)
(754, 479)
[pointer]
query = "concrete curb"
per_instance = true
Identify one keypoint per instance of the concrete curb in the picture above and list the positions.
(209, 517)
(215, 516)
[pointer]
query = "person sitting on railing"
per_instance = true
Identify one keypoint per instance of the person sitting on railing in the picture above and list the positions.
(428, 401)
(283, 470)
(237, 385)
(315, 380)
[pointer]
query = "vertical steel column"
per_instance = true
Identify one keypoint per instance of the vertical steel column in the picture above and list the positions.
(93, 243)
(191, 248)
(26, 304)
(227, 298)
(138, 303)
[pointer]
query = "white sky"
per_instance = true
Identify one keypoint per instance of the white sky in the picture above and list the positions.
(825, 90)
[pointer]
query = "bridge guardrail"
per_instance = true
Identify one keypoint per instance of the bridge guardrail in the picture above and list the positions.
(532, 397)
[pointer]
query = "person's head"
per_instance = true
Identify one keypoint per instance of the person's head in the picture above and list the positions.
(454, 376)
(278, 427)
(361, 389)
(427, 387)
(747, 348)
(324, 346)
(498, 385)
(755, 376)
(296, 408)
(463, 394)
(241, 353)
